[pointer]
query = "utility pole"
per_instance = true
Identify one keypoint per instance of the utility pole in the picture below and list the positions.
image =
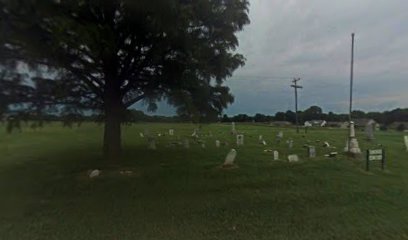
(351, 75)
(295, 86)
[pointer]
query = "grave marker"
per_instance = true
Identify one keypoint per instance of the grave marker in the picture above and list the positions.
(233, 130)
(275, 155)
(312, 151)
(279, 136)
(406, 142)
(217, 143)
(293, 158)
(240, 139)
(369, 131)
(375, 155)
(171, 132)
(229, 160)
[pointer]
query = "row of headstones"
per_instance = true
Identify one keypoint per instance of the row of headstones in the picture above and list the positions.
(230, 158)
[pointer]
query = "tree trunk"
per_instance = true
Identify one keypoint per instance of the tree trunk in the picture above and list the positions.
(112, 136)
(113, 118)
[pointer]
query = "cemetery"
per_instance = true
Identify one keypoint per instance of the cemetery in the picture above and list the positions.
(153, 120)
(296, 186)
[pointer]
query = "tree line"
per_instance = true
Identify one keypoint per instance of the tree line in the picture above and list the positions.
(316, 113)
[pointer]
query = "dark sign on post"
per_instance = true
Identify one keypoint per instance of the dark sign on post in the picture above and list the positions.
(375, 155)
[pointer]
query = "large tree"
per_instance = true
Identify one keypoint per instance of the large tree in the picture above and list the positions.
(115, 53)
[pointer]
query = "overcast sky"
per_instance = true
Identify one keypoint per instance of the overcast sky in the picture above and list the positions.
(311, 39)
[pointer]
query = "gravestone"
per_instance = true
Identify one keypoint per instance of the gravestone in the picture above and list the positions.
(195, 133)
(279, 136)
(369, 131)
(352, 143)
(406, 142)
(217, 143)
(312, 152)
(326, 144)
(307, 124)
(94, 173)
(375, 155)
(264, 142)
(290, 143)
(233, 130)
(275, 155)
(260, 138)
(229, 160)
(186, 143)
(171, 132)
(240, 139)
(152, 144)
(141, 134)
(293, 158)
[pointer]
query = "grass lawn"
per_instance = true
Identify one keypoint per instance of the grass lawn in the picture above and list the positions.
(176, 193)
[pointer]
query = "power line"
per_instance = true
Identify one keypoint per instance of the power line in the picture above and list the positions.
(296, 87)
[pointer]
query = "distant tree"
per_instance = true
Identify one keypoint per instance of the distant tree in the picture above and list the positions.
(290, 116)
(260, 118)
(111, 54)
(358, 114)
(280, 116)
(312, 113)
(401, 127)
(225, 118)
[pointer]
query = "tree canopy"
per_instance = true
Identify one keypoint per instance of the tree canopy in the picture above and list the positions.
(109, 54)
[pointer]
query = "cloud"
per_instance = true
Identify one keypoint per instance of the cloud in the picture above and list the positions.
(311, 40)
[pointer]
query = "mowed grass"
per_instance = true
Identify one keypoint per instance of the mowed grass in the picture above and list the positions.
(176, 193)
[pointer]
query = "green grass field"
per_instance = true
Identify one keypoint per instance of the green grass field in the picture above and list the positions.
(175, 193)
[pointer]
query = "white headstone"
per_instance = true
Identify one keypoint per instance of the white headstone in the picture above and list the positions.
(229, 160)
(233, 130)
(275, 155)
(141, 134)
(326, 144)
(354, 147)
(308, 124)
(94, 173)
(240, 139)
(369, 131)
(279, 136)
(217, 143)
(260, 138)
(323, 124)
(352, 130)
(293, 158)
(312, 152)
(352, 144)
(195, 133)
(406, 142)
(171, 132)
(290, 143)
(264, 142)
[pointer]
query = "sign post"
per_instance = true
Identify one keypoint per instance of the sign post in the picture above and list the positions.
(375, 155)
